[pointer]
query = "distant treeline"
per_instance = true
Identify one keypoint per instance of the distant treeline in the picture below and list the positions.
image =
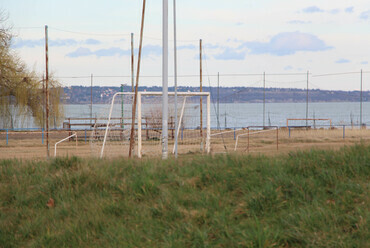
(82, 94)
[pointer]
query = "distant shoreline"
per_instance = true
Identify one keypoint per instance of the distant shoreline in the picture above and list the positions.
(103, 95)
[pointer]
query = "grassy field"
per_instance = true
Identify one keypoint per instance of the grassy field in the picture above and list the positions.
(302, 199)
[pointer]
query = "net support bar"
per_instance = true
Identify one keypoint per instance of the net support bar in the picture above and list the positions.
(179, 123)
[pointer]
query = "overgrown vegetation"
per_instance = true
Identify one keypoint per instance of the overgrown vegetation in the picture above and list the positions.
(21, 90)
(304, 199)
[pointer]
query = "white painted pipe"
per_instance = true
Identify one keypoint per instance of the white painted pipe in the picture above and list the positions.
(180, 121)
(55, 146)
(106, 129)
(165, 81)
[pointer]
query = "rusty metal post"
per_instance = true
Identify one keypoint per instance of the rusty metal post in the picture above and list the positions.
(307, 100)
(91, 99)
(248, 140)
(47, 90)
(361, 102)
(218, 101)
(201, 89)
(122, 108)
(69, 128)
(146, 127)
(172, 125)
(43, 102)
(264, 99)
(132, 63)
(132, 135)
(277, 138)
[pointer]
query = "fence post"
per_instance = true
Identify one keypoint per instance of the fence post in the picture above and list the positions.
(182, 133)
(277, 138)
(248, 139)
(344, 131)
(42, 136)
(146, 128)
(234, 134)
(289, 131)
(7, 137)
(85, 137)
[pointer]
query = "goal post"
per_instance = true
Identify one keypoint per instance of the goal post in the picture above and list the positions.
(151, 99)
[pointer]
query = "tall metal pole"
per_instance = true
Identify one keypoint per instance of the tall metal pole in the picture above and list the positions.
(361, 102)
(132, 63)
(43, 101)
(165, 81)
(47, 89)
(218, 100)
(201, 89)
(307, 100)
(91, 98)
(175, 70)
(264, 98)
(122, 119)
(132, 135)
(225, 119)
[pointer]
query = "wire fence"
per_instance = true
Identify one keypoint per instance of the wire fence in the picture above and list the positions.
(30, 143)
(265, 99)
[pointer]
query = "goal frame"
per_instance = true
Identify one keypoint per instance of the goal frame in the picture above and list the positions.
(139, 116)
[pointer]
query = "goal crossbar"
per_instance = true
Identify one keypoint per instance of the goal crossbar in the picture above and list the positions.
(139, 116)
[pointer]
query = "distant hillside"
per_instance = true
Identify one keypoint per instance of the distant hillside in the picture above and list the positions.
(82, 94)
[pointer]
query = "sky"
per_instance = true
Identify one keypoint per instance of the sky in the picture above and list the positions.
(242, 39)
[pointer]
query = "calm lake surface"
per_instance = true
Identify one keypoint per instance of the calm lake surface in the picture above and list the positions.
(245, 114)
(231, 115)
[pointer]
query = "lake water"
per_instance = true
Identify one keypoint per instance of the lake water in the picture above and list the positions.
(235, 114)
(248, 114)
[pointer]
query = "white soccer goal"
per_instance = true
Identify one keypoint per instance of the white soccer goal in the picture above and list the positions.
(193, 131)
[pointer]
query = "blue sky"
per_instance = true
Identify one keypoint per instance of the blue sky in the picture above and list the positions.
(239, 37)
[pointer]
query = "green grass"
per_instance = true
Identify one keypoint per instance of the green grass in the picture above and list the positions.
(304, 199)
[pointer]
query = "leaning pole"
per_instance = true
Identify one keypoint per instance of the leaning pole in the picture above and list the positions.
(165, 81)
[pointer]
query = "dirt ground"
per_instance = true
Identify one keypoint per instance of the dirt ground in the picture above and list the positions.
(32, 146)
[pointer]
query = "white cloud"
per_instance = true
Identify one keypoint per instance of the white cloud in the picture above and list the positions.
(20, 43)
(189, 47)
(365, 15)
(334, 11)
(80, 52)
(342, 61)
(312, 9)
(287, 44)
(299, 22)
(230, 54)
(114, 51)
(349, 9)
